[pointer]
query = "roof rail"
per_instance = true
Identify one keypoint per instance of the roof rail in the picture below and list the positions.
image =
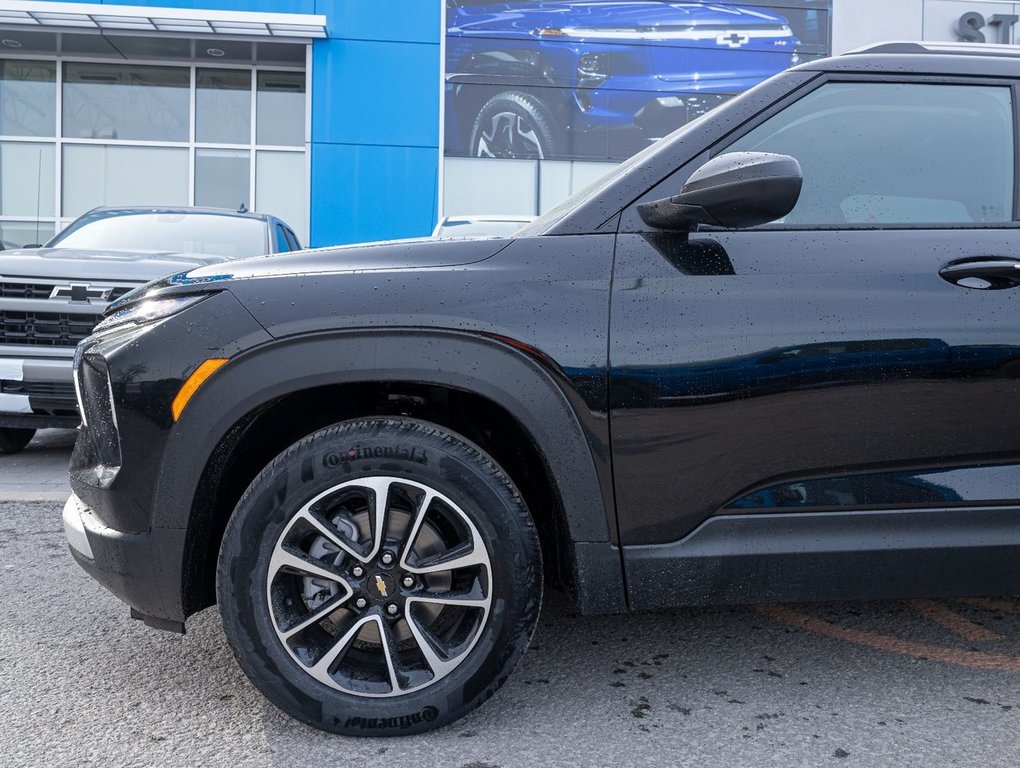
(956, 49)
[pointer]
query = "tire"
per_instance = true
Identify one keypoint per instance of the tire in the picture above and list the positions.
(515, 124)
(316, 501)
(13, 440)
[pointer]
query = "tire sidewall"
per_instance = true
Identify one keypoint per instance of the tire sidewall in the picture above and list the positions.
(350, 451)
(523, 104)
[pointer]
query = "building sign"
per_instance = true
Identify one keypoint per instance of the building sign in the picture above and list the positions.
(974, 27)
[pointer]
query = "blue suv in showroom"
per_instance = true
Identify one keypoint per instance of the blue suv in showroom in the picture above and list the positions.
(597, 79)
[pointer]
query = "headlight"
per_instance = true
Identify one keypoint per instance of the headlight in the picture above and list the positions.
(148, 311)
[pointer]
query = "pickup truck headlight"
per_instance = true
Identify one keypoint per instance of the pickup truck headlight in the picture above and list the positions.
(660, 33)
(148, 311)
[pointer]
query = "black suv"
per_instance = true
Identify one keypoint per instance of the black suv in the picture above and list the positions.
(776, 356)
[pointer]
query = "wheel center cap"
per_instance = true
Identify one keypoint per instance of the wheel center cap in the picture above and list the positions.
(382, 586)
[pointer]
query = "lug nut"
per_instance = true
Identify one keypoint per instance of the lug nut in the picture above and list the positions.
(361, 602)
(387, 558)
(357, 571)
(392, 609)
(408, 581)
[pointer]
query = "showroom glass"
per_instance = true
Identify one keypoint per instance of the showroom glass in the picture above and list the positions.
(893, 153)
(280, 112)
(113, 101)
(128, 135)
(231, 236)
(104, 174)
(222, 177)
(26, 179)
(16, 234)
(223, 106)
(28, 105)
(277, 175)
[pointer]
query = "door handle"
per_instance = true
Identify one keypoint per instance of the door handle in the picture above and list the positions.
(987, 273)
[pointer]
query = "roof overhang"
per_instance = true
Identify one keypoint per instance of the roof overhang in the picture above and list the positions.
(84, 17)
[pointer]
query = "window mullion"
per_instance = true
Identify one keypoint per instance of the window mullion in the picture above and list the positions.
(251, 141)
(192, 100)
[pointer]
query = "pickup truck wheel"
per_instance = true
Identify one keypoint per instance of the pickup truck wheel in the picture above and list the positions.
(380, 577)
(13, 440)
(514, 124)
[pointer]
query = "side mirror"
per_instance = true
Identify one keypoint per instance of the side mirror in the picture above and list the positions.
(735, 190)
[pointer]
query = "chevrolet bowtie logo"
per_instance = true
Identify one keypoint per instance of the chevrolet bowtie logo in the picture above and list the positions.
(733, 40)
(81, 293)
(380, 585)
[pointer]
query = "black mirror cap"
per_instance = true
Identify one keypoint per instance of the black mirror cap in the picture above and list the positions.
(735, 190)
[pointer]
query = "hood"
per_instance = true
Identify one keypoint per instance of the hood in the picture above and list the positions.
(419, 253)
(116, 266)
(648, 16)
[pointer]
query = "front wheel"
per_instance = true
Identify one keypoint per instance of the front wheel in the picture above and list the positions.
(515, 124)
(380, 577)
(13, 440)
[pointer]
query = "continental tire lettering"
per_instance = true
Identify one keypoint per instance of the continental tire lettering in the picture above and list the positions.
(403, 722)
(357, 453)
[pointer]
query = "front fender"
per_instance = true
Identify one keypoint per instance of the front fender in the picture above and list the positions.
(532, 390)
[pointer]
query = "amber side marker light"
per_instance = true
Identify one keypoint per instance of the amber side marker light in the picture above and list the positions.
(195, 380)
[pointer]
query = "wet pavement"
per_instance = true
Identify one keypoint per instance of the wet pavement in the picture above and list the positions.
(40, 470)
(933, 683)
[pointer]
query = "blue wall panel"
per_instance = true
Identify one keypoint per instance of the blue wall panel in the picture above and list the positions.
(375, 120)
(375, 93)
(397, 20)
(371, 192)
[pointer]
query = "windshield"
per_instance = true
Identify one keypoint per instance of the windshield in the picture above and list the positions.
(214, 234)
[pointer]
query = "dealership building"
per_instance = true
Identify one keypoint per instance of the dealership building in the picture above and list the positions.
(356, 120)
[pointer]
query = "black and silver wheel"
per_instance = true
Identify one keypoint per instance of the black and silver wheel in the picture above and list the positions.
(13, 440)
(514, 124)
(380, 577)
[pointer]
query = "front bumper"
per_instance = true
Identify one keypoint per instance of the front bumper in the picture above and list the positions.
(37, 392)
(128, 378)
(142, 569)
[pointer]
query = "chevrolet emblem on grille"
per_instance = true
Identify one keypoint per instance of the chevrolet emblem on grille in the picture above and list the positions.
(81, 293)
(733, 39)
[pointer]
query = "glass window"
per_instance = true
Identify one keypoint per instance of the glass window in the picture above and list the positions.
(482, 186)
(223, 106)
(28, 98)
(26, 179)
(16, 234)
(280, 187)
(280, 109)
(282, 244)
(115, 101)
(896, 153)
(97, 174)
(222, 178)
(206, 233)
(292, 239)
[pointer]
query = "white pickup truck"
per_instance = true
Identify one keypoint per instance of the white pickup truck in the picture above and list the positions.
(51, 297)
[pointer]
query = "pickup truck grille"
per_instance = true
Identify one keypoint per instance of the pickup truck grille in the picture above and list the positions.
(40, 290)
(45, 329)
(46, 389)
(25, 290)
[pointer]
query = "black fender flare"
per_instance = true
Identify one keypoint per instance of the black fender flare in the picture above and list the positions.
(521, 383)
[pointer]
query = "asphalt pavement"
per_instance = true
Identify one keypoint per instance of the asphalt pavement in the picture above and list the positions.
(932, 683)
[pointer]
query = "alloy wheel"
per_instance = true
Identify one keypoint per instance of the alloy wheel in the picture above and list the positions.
(509, 135)
(379, 586)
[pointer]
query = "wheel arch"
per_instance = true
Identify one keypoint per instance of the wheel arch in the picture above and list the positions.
(264, 400)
